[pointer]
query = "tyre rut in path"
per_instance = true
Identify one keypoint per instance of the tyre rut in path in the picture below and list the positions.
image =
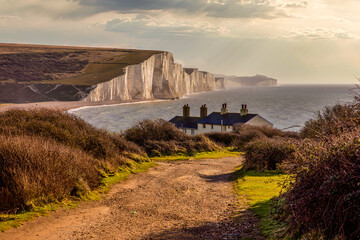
(174, 200)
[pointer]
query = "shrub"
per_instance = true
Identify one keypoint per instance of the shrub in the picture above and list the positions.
(247, 136)
(332, 121)
(36, 171)
(160, 137)
(223, 138)
(48, 155)
(66, 129)
(156, 130)
(243, 134)
(266, 153)
(325, 195)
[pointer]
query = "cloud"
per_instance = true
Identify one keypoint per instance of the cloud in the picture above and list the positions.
(302, 4)
(146, 26)
(266, 9)
(320, 33)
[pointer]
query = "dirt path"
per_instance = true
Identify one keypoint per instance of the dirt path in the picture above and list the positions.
(176, 200)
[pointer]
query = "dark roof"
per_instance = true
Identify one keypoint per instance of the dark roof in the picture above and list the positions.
(188, 122)
(228, 119)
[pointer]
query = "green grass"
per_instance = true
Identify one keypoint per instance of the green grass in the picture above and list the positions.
(124, 174)
(9, 221)
(196, 156)
(259, 189)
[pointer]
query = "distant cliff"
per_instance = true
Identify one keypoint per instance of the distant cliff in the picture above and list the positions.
(223, 81)
(157, 77)
(33, 73)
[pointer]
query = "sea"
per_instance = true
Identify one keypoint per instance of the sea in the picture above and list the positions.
(286, 106)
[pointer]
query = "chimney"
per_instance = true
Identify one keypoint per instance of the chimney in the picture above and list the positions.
(224, 109)
(203, 111)
(186, 111)
(244, 111)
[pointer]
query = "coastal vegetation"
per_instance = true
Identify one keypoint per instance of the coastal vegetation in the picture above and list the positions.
(160, 137)
(324, 197)
(259, 190)
(48, 155)
(50, 158)
(321, 198)
(301, 185)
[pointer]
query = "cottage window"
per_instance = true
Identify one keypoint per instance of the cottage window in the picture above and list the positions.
(192, 131)
(204, 125)
(212, 126)
(185, 130)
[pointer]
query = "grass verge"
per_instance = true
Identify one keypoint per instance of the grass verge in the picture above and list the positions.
(196, 156)
(259, 189)
(9, 221)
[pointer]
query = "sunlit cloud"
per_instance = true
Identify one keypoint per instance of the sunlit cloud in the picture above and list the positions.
(320, 33)
(276, 37)
(216, 9)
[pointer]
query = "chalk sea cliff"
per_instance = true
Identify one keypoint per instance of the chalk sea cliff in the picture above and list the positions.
(158, 77)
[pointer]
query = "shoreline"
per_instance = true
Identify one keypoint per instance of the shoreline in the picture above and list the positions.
(71, 105)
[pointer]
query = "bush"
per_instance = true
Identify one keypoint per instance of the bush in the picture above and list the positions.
(325, 195)
(225, 139)
(48, 155)
(36, 171)
(332, 121)
(160, 137)
(266, 153)
(66, 129)
(243, 134)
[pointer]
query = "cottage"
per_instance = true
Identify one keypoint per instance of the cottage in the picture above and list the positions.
(222, 121)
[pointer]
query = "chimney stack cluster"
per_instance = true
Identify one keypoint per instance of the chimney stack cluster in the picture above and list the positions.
(186, 111)
(244, 111)
(224, 109)
(203, 111)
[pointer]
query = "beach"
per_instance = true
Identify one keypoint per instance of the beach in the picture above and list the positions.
(68, 105)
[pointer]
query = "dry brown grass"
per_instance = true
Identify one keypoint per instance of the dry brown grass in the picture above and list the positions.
(48, 155)
(160, 137)
(35, 171)
(244, 134)
(324, 197)
(66, 129)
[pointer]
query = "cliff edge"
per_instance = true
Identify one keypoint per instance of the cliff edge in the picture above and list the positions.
(158, 77)
(36, 73)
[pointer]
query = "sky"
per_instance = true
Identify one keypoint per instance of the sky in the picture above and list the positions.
(296, 42)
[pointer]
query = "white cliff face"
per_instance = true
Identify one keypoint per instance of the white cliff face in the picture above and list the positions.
(157, 77)
(115, 89)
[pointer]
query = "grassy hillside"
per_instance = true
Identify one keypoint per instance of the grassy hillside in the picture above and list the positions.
(21, 63)
(48, 155)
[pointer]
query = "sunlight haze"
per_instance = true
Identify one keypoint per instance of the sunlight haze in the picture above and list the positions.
(296, 42)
